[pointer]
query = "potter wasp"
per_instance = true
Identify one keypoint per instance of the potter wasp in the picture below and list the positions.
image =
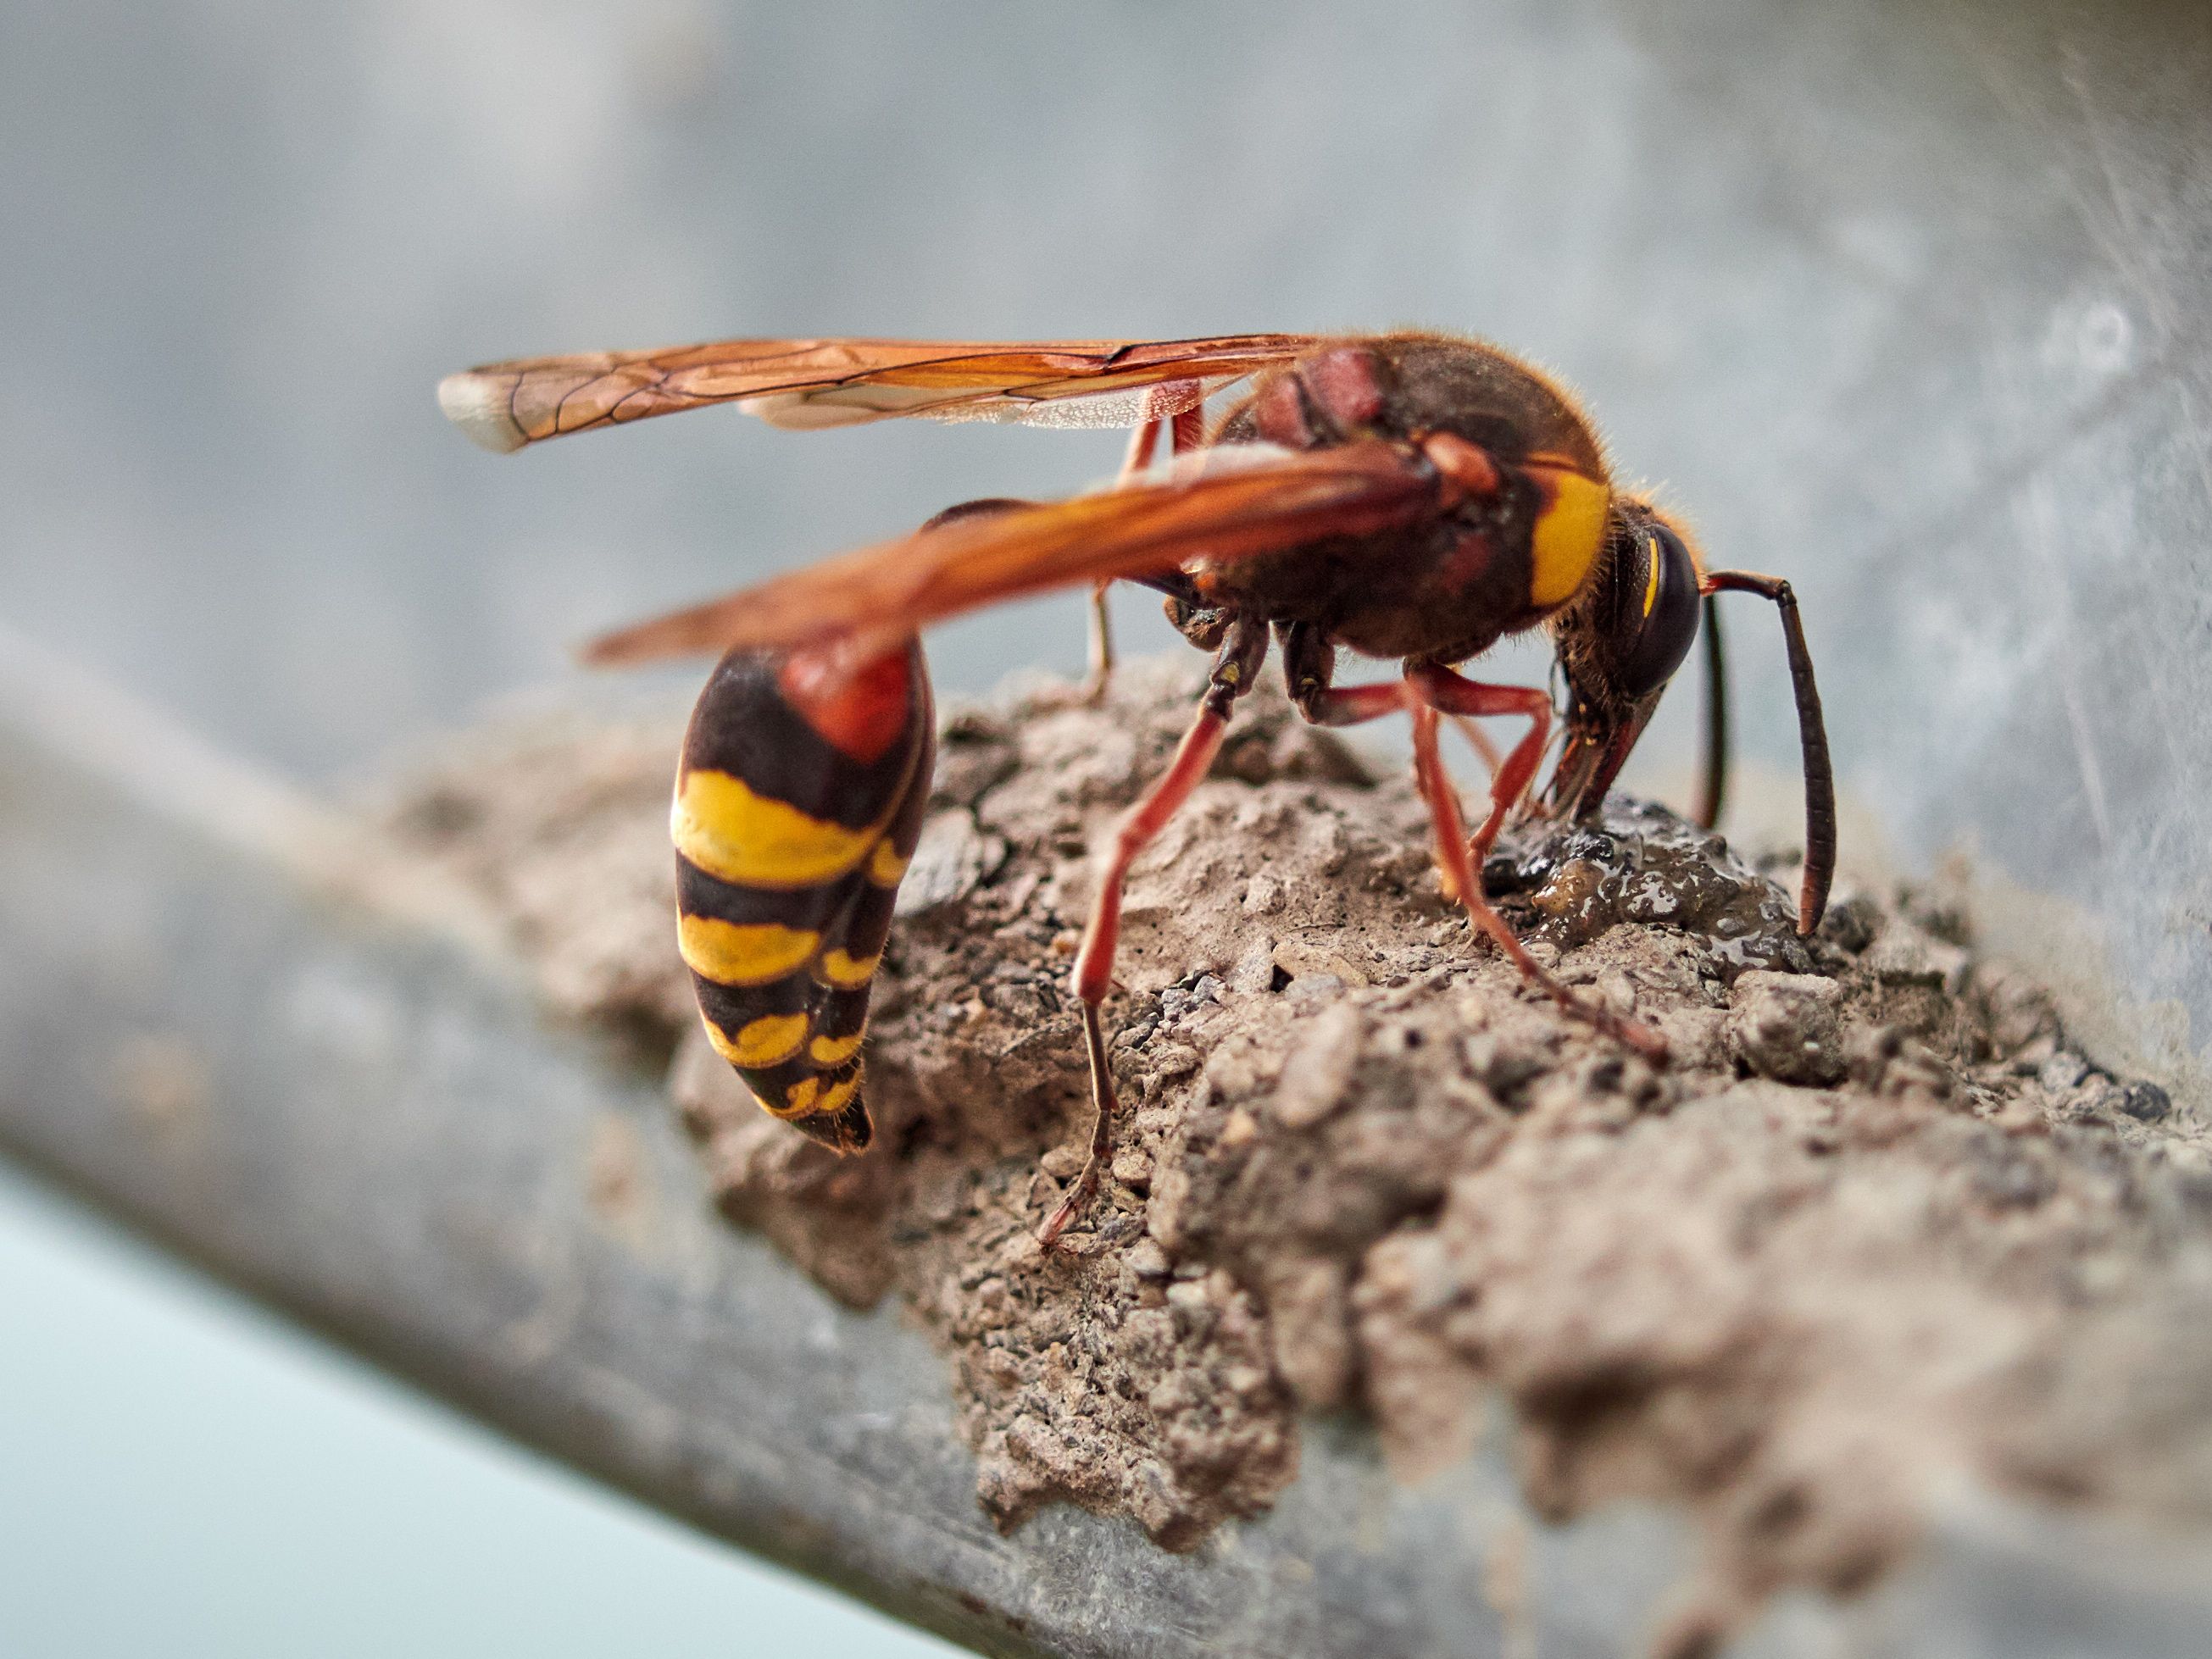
(1411, 497)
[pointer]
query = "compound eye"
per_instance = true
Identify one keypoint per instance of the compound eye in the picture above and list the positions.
(1662, 618)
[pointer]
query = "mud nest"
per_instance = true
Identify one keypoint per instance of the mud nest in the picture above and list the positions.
(1881, 1224)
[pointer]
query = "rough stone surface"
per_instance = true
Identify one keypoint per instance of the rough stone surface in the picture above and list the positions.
(1361, 1165)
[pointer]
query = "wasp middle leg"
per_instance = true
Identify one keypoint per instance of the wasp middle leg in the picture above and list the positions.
(1307, 664)
(1453, 694)
(1234, 669)
(1452, 846)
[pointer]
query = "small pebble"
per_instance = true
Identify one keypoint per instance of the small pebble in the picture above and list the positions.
(1786, 1026)
(1147, 1260)
(1499, 1066)
(1263, 895)
(2062, 1071)
(1315, 989)
(1062, 1162)
(2146, 1103)
(1255, 969)
(952, 858)
(1245, 1381)
(1906, 955)
(1851, 923)
(1318, 1072)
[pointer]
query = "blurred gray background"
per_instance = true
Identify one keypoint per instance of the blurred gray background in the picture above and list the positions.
(1902, 301)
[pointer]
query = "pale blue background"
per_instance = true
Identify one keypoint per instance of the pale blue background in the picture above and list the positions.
(240, 241)
(181, 1473)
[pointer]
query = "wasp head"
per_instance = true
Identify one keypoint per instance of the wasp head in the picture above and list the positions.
(1619, 642)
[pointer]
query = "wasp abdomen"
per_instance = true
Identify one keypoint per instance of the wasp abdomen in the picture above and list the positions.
(798, 801)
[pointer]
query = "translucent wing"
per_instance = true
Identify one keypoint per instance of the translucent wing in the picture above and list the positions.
(820, 383)
(1240, 502)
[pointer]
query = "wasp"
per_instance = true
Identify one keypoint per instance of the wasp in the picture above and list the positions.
(1411, 497)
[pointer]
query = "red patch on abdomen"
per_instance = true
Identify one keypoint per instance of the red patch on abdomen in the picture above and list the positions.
(859, 711)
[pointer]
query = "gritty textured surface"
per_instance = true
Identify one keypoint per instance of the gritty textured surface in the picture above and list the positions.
(1880, 1227)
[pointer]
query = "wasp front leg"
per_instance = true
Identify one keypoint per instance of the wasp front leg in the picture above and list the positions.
(1234, 671)
(1308, 662)
(1812, 736)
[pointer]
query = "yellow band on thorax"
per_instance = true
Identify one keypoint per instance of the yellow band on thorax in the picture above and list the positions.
(1568, 533)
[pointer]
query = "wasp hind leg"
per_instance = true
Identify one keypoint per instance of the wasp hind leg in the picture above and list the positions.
(1101, 671)
(1185, 432)
(1144, 442)
(1234, 670)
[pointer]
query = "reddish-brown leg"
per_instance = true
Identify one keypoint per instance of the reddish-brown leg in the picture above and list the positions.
(1441, 689)
(1349, 705)
(1101, 668)
(1234, 670)
(1144, 443)
(1353, 705)
(1461, 873)
(1479, 740)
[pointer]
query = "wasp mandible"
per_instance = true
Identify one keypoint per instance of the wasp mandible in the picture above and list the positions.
(1410, 496)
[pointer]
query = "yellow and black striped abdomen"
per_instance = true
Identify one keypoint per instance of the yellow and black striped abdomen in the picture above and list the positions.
(798, 804)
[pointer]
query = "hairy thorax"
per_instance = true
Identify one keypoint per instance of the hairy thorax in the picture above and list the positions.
(1448, 588)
